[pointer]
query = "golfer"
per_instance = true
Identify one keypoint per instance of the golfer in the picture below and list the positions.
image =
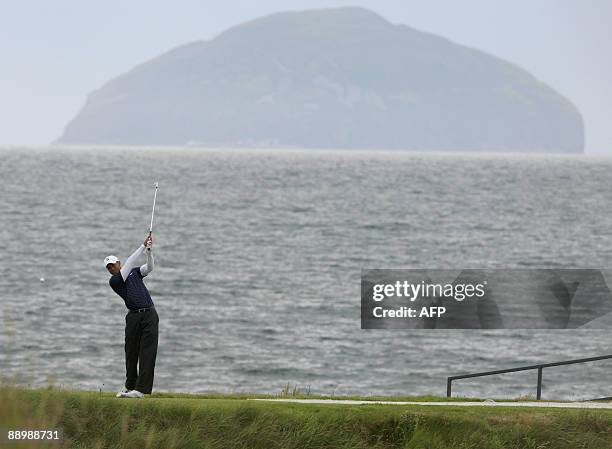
(141, 321)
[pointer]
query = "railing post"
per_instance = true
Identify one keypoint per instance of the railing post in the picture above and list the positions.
(448, 386)
(539, 393)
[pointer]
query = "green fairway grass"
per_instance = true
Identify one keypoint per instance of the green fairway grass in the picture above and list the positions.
(169, 420)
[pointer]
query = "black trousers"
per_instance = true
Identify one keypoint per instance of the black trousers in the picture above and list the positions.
(141, 332)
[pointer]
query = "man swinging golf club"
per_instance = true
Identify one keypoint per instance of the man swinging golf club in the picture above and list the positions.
(141, 321)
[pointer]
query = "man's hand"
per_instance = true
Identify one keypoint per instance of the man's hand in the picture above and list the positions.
(148, 243)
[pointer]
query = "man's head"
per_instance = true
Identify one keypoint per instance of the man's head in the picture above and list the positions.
(112, 264)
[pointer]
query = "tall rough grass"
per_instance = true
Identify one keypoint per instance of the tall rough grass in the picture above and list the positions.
(94, 420)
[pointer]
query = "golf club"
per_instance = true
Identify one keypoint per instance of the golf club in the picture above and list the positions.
(153, 211)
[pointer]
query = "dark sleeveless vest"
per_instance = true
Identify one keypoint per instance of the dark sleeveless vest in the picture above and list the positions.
(132, 290)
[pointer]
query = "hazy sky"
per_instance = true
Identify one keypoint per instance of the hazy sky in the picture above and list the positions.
(53, 53)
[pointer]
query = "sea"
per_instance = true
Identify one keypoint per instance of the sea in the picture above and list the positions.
(258, 258)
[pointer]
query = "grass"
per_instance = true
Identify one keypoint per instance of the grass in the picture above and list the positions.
(294, 392)
(168, 420)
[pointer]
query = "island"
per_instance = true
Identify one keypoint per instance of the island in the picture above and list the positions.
(341, 78)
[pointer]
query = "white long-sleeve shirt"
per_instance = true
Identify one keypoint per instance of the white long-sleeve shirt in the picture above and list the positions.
(132, 262)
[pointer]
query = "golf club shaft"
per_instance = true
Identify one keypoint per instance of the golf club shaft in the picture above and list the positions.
(153, 211)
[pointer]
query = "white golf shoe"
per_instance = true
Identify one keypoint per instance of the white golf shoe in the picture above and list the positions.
(122, 393)
(133, 394)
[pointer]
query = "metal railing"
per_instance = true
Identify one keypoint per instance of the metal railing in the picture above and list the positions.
(539, 367)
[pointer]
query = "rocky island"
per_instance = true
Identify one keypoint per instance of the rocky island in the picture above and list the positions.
(332, 78)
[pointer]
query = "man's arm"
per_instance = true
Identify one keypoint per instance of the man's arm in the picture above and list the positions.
(132, 261)
(148, 267)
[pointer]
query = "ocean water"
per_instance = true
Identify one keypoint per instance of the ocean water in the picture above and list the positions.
(258, 260)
